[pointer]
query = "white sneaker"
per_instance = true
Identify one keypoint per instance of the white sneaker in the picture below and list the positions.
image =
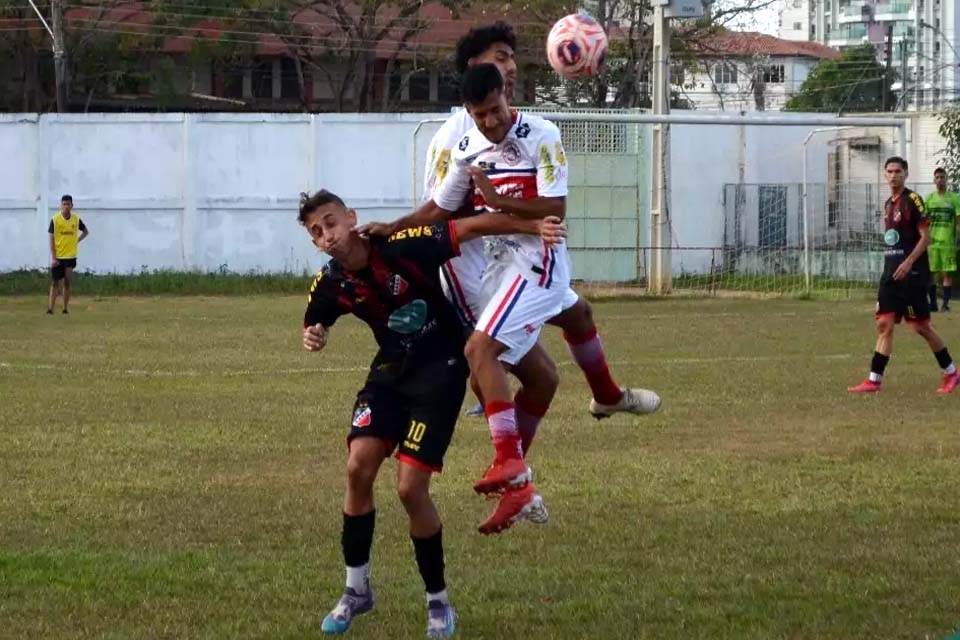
(536, 511)
(636, 401)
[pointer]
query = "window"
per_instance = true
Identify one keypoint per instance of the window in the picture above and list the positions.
(798, 26)
(289, 79)
(773, 74)
(448, 89)
(233, 82)
(263, 79)
(420, 86)
(797, 4)
(725, 73)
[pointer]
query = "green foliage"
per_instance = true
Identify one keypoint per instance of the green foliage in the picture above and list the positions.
(950, 132)
(855, 82)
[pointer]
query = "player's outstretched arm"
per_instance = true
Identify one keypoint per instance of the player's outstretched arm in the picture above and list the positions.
(551, 228)
(428, 214)
(532, 208)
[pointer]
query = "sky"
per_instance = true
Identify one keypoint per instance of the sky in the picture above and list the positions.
(765, 20)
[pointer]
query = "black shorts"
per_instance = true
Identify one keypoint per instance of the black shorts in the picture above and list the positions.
(59, 272)
(416, 415)
(905, 300)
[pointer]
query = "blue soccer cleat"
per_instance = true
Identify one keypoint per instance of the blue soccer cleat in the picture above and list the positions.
(441, 620)
(475, 410)
(351, 605)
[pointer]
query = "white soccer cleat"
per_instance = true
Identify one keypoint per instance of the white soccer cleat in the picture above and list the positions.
(536, 511)
(636, 401)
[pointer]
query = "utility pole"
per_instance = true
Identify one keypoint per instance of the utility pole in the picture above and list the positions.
(905, 71)
(659, 272)
(885, 90)
(59, 55)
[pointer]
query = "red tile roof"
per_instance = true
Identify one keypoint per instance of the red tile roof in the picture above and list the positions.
(751, 43)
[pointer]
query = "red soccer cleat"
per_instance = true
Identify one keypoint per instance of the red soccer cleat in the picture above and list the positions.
(867, 386)
(514, 505)
(950, 382)
(509, 473)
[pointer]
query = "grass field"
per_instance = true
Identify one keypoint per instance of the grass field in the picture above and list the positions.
(172, 468)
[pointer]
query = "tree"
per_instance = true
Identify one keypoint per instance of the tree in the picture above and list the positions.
(855, 82)
(950, 131)
(630, 27)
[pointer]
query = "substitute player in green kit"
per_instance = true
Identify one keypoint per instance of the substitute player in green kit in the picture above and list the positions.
(943, 211)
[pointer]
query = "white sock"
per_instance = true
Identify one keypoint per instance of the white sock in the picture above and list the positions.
(875, 377)
(358, 578)
(952, 369)
(440, 595)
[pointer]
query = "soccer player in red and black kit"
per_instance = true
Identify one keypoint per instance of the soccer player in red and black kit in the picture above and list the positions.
(906, 276)
(417, 380)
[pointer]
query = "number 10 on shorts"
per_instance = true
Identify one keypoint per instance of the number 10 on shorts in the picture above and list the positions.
(415, 435)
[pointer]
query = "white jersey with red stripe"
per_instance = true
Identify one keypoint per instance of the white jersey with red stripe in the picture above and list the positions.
(461, 276)
(528, 163)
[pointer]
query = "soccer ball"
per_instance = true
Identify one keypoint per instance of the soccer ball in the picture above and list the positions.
(577, 46)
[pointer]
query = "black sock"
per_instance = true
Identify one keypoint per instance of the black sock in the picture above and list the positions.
(933, 295)
(943, 358)
(947, 294)
(357, 538)
(879, 363)
(429, 554)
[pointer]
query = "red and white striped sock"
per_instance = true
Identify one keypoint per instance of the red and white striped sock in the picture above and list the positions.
(587, 351)
(502, 420)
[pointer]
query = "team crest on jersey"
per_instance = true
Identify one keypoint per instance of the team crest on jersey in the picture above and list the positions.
(523, 130)
(397, 285)
(891, 237)
(464, 143)
(511, 153)
(362, 417)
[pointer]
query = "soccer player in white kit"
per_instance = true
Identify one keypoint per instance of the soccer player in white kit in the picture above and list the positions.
(517, 164)
(462, 277)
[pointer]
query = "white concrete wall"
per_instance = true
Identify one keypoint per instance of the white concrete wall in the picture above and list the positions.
(203, 191)
(211, 191)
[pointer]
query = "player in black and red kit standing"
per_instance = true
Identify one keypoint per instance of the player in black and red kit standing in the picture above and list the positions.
(906, 277)
(417, 380)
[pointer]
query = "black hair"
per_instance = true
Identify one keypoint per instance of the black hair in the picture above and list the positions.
(479, 39)
(939, 170)
(479, 82)
(898, 160)
(310, 203)
(66, 198)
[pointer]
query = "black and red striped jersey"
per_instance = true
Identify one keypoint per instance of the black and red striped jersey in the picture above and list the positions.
(398, 295)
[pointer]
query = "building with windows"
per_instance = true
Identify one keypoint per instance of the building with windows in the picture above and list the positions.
(917, 35)
(747, 71)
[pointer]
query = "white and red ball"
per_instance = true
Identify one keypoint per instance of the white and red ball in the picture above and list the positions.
(577, 46)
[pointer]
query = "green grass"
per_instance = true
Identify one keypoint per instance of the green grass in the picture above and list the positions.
(172, 467)
(220, 283)
(29, 282)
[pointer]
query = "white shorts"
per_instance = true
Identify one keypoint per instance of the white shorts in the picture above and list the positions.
(516, 313)
(570, 298)
(462, 282)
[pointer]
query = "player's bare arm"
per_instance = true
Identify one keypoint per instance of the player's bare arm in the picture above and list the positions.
(904, 269)
(53, 251)
(551, 228)
(428, 214)
(532, 208)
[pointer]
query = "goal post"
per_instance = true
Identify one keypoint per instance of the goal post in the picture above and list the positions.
(759, 205)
